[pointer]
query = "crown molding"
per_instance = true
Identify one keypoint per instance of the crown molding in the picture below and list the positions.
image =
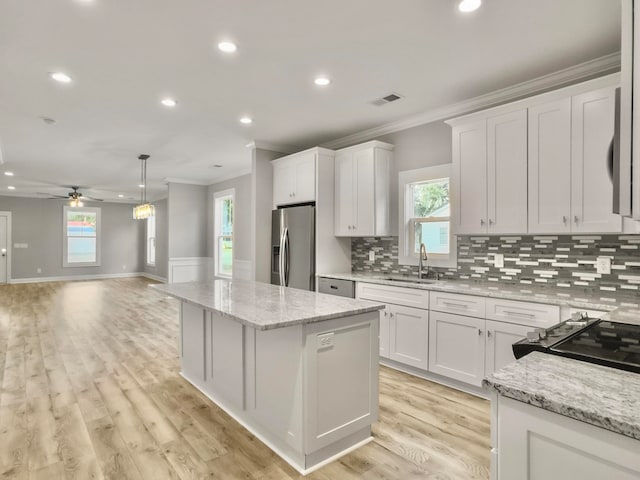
(273, 147)
(186, 181)
(583, 71)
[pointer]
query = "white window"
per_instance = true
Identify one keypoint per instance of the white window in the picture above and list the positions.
(151, 240)
(81, 237)
(223, 232)
(425, 216)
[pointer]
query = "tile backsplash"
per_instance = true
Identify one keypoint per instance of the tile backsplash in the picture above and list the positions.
(566, 261)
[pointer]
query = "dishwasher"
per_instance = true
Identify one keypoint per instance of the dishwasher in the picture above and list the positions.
(334, 286)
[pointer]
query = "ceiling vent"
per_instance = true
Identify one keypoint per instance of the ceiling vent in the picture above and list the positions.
(392, 97)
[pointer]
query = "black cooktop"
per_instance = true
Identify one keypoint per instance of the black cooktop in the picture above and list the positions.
(606, 343)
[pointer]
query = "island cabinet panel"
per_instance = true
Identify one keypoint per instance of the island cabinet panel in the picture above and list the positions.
(192, 321)
(342, 379)
(274, 381)
(535, 444)
(224, 363)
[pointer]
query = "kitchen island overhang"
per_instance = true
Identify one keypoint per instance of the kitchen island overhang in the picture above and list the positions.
(297, 369)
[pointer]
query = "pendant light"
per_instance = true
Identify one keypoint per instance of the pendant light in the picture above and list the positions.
(145, 209)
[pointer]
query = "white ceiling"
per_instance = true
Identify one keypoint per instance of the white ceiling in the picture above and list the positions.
(125, 55)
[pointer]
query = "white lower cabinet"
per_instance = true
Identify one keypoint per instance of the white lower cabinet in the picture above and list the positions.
(498, 341)
(456, 347)
(535, 444)
(408, 335)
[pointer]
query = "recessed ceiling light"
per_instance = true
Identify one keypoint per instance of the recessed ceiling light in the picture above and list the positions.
(322, 81)
(469, 5)
(9, 174)
(141, 185)
(227, 47)
(11, 187)
(61, 77)
(120, 195)
(168, 102)
(246, 120)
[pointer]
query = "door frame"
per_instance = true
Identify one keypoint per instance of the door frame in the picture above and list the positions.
(8, 215)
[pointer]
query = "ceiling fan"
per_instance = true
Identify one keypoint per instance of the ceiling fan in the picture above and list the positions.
(75, 197)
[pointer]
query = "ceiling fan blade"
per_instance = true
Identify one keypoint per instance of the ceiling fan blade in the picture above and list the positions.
(92, 198)
(52, 196)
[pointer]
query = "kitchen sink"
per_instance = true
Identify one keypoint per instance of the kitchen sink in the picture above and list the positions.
(410, 280)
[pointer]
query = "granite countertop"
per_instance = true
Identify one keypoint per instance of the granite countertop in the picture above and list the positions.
(263, 306)
(601, 396)
(526, 293)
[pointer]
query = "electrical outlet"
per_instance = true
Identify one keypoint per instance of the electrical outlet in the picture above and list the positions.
(603, 265)
(498, 260)
(325, 340)
(372, 255)
(38, 270)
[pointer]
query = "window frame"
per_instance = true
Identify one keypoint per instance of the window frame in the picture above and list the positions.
(218, 197)
(406, 227)
(155, 228)
(65, 237)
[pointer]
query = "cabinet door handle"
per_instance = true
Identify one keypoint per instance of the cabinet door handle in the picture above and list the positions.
(490, 222)
(385, 313)
(349, 227)
(564, 219)
(489, 333)
(520, 314)
(390, 314)
(575, 219)
(457, 305)
(481, 222)
(354, 227)
(480, 331)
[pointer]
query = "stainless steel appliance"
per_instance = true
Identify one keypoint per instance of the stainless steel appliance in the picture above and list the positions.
(293, 232)
(603, 342)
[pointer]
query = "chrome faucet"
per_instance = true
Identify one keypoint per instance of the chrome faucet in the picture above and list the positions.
(422, 257)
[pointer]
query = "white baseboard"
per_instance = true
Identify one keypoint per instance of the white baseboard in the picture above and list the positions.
(151, 276)
(71, 278)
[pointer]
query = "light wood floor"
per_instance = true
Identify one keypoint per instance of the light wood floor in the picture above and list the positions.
(90, 389)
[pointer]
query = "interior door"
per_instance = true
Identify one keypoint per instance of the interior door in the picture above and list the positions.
(4, 248)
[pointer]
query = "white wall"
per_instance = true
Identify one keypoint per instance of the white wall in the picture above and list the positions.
(422, 146)
(187, 220)
(39, 224)
(262, 204)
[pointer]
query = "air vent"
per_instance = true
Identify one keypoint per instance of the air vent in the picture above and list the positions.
(392, 97)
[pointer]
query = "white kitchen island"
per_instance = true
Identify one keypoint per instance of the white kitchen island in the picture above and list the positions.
(298, 369)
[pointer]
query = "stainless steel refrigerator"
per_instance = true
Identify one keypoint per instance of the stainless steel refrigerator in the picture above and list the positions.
(293, 233)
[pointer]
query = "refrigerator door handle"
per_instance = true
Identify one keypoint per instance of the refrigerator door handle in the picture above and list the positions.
(281, 260)
(287, 257)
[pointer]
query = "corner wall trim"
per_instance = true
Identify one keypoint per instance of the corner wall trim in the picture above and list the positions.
(583, 71)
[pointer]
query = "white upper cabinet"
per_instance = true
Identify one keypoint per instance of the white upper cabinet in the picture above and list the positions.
(470, 176)
(538, 165)
(490, 174)
(550, 167)
(569, 186)
(362, 176)
(294, 179)
(592, 129)
(507, 173)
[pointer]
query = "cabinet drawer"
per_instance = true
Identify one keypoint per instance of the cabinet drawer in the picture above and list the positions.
(410, 297)
(334, 286)
(522, 313)
(457, 303)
